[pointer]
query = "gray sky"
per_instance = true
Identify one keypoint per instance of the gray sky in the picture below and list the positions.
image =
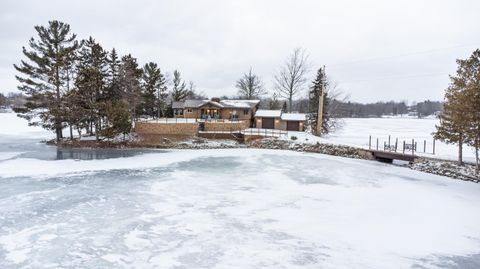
(375, 50)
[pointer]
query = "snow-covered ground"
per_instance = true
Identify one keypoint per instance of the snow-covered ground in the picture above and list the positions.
(232, 208)
(355, 132)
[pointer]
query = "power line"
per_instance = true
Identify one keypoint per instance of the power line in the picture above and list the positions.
(401, 55)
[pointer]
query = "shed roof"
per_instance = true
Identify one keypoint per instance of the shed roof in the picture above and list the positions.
(264, 113)
(294, 117)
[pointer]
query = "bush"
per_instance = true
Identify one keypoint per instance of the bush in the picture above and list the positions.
(293, 138)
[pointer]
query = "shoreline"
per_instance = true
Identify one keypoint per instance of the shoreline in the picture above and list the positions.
(434, 166)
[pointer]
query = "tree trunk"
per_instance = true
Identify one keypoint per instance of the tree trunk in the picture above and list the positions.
(71, 132)
(460, 152)
(476, 158)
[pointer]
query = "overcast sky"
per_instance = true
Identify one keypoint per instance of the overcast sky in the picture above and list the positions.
(375, 49)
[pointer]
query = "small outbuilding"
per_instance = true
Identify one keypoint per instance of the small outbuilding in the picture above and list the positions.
(275, 119)
(267, 119)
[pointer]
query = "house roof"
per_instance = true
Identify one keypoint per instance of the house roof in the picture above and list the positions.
(194, 103)
(222, 104)
(294, 117)
(239, 103)
(177, 105)
(264, 113)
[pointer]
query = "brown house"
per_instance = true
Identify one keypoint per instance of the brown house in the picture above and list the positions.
(216, 109)
(275, 119)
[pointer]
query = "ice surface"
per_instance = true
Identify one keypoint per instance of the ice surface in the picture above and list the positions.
(235, 208)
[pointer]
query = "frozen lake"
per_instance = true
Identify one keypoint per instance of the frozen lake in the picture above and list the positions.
(239, 208)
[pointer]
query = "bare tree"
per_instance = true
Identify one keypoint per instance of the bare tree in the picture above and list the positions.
(292, 76)
(250, 86)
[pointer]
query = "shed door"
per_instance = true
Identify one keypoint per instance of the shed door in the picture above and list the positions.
(268, 123)
(293, 126)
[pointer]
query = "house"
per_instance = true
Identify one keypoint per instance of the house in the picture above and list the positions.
(216, 109)
(276, 119)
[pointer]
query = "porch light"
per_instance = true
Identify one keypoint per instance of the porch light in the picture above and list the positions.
(277, 121)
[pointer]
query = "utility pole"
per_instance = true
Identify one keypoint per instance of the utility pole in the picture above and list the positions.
(319, 129)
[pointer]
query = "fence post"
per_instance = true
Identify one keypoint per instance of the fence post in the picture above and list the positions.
(413, 147)
(403, 146)
(424, 146)
(384, 145)
(433, 146)
(396, 144)
(388, 141)
(370, 142)
(377, 143)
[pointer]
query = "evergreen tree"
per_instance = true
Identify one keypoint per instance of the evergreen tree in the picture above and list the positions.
(113, 91)
(118, 117)
(467, 80)
(153, 90)
(129, 82)
(250, 86)
(284, 107)
(3, 100)
(179, 89)
(92, 72)
(314, 96)
(43, 77)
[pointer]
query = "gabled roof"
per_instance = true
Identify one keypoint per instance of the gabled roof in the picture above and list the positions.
(239, 103)
(294, 117)
(222, 104)
(177, 105)
(264, 113)
(194, 103)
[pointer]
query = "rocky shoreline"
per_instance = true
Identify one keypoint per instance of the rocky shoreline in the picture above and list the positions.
(446, 168)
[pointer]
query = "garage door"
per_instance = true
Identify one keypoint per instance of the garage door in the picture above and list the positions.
(268, 123)
(293, 126)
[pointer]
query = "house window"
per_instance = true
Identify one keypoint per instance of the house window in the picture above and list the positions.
(245, 111)
(189, 110)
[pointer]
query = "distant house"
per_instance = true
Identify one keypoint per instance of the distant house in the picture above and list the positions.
(275, 119)
(216, 109)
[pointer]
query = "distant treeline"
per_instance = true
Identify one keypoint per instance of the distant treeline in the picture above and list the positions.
(347, 109)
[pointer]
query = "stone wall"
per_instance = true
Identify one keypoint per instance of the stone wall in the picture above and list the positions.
(226, 126)
(187, 129)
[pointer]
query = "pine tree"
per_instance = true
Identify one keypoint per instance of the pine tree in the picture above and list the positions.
(179, 89)
(43, 77)
(129, 81)
(153, 90)
(118, 117)
(91, 81)
(314, 96)
(451, 128)
(113, 91)
(468, 79)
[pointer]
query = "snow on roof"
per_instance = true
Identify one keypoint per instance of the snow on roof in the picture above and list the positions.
(264, 113)
(294, 116)
(177, 105)
(194, 103)
(240, 103)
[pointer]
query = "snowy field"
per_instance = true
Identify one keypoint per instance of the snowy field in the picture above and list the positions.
(237, 208)
(355, 132)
